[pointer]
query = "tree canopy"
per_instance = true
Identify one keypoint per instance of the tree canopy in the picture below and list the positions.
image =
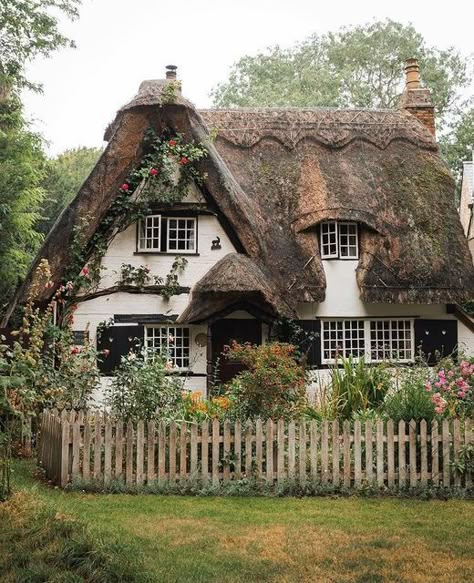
(358, 66)
(63, 178)
(30, 28)
(21, 172)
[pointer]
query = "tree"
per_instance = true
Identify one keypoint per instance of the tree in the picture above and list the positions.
(29, 28)
(359, 66)
(458, 143)
(64, 176)
(21, 172)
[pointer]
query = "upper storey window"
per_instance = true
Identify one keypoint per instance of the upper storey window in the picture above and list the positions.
(161, 234)
(339, 240)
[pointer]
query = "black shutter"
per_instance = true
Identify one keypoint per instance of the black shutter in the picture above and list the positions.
(435, 336)
(119, 340)
(311, 341)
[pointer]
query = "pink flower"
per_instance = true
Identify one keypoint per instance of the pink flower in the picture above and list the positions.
(184, 161)
(437, 384)
(106, 352)
(49, 284)
(124, 187)
(450, 374)
(153, 171)
(172, 143)
(84, 272)
(428, 387)
(75, 350)
(461, 394)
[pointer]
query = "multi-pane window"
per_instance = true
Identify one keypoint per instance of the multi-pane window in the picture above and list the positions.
(343, 338)
(376, 340)
(173, 342)
(182, 235)
(149, 233)
(339, 240)
(391, 340)
(164, 234)
(329, 247)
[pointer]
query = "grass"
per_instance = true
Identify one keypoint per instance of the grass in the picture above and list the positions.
(193, 539)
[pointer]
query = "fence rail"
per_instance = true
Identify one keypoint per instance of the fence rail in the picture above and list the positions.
(80, 446)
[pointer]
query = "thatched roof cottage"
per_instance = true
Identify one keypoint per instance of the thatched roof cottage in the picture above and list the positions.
(343, 220)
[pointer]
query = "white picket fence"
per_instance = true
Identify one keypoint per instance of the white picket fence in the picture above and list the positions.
(85, 446)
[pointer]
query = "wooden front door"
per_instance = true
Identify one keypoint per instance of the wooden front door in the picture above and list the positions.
(222, 334)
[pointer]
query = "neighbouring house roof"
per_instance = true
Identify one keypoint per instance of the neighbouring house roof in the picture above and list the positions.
(275, 174)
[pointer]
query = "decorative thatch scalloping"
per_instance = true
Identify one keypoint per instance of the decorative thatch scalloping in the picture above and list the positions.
(331, 127)
(235, 278)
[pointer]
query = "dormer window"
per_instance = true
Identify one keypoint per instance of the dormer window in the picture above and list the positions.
(339, 240)
(167, 234)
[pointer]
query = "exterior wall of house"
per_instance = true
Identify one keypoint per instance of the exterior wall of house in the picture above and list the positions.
(91, 313)
(467, 197)
(342, 297)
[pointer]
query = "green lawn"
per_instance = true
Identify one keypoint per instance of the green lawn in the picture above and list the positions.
(191, 539)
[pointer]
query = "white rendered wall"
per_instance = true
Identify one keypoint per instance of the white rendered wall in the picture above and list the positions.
(122, 250)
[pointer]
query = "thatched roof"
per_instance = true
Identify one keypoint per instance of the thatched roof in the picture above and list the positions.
(274, 174)
(233, 281)
(380, 168)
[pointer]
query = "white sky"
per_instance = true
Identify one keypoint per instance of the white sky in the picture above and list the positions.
(122, 42)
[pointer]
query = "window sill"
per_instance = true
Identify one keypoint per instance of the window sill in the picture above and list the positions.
(172, 253)
(340, 258)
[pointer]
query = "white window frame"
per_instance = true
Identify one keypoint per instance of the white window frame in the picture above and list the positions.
(367, 338)
(328, 228)
(181, 251)
(171, 330)
(143, 224)
(350, 225)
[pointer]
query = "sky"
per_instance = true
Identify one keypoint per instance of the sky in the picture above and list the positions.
(122, 42)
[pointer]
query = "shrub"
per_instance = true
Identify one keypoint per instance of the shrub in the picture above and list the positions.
(356, 388)
(452, 388)
(196, 408)
(145, 388)
(411, 400)
(274, 384)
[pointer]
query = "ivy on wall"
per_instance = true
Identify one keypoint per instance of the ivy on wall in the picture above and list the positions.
(164, 175)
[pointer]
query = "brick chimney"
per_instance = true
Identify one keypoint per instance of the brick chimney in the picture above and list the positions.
(417, 99)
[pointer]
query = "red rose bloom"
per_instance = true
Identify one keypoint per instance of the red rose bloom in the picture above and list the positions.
(172, 143)
(75, 350)
(153, 171)
(124, 187)
(184, 160)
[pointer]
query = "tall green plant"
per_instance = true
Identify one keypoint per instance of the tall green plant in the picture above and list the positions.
(144, 388)
(410, 399)
(356, 387)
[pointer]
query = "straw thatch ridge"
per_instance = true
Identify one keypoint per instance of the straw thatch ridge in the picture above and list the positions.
(275, 174)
